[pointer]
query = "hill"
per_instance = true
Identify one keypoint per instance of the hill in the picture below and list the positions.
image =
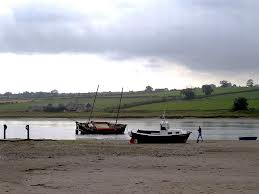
(140, 104)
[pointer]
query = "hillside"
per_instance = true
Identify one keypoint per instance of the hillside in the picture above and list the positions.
(142, 104)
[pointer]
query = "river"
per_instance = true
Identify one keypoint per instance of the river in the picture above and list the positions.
(64, 129)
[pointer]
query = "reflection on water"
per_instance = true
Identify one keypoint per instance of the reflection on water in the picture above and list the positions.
(213, 129)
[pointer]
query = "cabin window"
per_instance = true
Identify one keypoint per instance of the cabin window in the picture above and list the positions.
(169, 133)
(162, 127)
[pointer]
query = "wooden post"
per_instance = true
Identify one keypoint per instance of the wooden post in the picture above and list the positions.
(28, 131)
(5, 127)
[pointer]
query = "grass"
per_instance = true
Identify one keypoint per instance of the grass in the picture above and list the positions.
(211, 103)
(140, 104)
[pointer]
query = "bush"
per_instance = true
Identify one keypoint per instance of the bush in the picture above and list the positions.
(188, 93)
(240, 104)
(54, 108)
(207, 89)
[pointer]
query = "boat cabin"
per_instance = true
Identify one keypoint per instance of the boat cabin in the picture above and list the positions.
(164, 125)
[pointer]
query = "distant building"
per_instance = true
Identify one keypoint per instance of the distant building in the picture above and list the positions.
(76, 107)
(161, 90)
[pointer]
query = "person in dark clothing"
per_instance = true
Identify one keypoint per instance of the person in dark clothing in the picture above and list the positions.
(200, 135)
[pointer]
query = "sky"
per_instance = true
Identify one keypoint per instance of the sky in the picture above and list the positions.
(74, 45)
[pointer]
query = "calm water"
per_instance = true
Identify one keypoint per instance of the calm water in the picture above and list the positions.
(213, 129)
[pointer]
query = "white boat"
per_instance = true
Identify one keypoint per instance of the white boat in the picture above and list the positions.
(162, 135)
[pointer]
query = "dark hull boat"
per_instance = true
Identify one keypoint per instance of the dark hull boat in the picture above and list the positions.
(101, 127)
(248, 138)
(164, 135)
(141, 137)
(95, 127)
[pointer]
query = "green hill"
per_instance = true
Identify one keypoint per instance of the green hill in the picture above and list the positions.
(142, 104)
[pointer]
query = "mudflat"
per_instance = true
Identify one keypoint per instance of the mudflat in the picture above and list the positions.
(102, 166)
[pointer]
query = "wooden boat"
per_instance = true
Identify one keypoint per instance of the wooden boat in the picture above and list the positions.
(101, 127)
(248, 138)
(163, 135)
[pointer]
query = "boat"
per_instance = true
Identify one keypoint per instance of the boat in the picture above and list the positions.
(163, 135)
(101, 127)
(248, 138)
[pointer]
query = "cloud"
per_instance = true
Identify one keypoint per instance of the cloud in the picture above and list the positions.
(204, 35)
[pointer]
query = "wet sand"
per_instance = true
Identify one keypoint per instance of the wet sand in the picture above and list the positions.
(93, 166)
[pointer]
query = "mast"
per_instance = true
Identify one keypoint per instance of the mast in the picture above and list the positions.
(93, 103)
(119, 107)
(165, 108)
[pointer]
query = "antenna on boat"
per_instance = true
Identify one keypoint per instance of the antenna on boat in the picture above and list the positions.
(119, 107)
(165, 108)
(93, 103)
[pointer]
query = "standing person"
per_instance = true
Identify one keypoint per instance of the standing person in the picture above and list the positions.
(200, 135)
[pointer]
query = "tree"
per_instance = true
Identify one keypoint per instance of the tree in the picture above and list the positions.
(8, 94)
(213, 86)
(240, 103)
(54, 91)
(207, 89)
(188, 93)
(225, 84)
(88, 107)
(26, 94)
(148, 89)
(250, 83)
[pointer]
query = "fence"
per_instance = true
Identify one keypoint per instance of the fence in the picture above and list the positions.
(27, 127)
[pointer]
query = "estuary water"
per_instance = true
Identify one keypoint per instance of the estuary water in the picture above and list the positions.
(64, 129)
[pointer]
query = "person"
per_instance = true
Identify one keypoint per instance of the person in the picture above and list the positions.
(200, 135)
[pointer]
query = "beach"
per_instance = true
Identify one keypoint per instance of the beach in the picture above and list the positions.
(106, 166)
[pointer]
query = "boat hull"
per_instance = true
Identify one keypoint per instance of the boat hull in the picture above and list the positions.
(112, 129)
(148, 138)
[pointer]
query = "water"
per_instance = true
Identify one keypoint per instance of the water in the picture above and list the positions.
(64, 129)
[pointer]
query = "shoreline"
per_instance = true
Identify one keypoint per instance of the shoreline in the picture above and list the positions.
(109, 166)
(125, 117)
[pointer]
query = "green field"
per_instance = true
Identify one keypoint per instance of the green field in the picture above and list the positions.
(141, 104)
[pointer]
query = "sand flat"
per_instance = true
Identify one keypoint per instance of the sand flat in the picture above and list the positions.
(102, 166)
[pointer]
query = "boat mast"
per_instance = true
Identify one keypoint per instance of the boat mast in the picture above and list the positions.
(93, 103)
(119, 107)
(165, 108)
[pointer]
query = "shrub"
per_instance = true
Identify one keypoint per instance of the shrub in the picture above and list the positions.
(207, 89)
(188, 93)
(240, 103)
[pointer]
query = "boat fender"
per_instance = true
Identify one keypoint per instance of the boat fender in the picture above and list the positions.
(133, 141)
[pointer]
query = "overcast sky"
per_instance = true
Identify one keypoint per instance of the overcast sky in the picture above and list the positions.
(74, 45)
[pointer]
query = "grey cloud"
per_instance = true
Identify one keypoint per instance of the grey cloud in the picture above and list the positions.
(154, 64)
(200, 34)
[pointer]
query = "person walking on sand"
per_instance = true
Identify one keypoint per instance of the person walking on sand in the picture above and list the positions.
(200, 135)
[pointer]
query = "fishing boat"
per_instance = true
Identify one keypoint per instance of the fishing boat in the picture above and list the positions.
(101, 127)
(163, 135)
